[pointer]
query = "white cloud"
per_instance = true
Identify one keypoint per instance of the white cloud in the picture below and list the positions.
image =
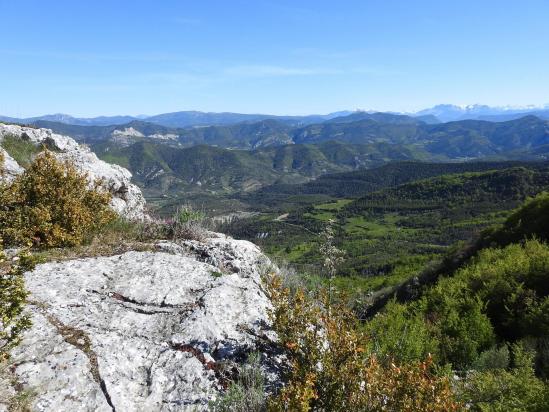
(275, 71)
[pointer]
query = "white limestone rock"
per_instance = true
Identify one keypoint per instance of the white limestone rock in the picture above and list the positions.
(10, 168)
(128, 131)
(142, 331)
(127, 200)
(160, 136)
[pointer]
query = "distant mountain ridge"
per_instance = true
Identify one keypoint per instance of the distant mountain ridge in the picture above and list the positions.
(451, 112)
(190, 118)
(523, 138)
(175, 119)
(68, 119)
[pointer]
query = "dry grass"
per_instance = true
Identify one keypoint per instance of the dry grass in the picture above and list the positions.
(116, 238)
(122, 236)
(12, 395)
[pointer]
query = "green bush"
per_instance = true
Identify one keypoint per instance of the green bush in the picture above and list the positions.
(457, 322)
(51, 205)
(12, 300)
(501, 390)
(493, 358)
(401, 334)
(514, 283)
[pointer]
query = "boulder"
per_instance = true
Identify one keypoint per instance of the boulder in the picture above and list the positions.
(142, 331)
(10, 168)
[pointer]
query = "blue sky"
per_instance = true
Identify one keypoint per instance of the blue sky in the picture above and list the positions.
(98, 57)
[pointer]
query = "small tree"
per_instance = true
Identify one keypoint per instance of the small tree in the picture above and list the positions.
(332, 256)
(51, 204)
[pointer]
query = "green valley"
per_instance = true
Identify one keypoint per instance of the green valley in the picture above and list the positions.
(391, 233)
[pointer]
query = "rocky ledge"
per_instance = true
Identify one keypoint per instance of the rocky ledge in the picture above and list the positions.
(142, 331)
(127, 199)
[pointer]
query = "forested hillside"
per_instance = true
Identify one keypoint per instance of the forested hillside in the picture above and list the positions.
(487, 316)
(391, 233)
(361, 182)
(163, 169)
(464, 139)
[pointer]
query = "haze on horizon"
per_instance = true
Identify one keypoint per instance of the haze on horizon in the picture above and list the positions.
(142, 57)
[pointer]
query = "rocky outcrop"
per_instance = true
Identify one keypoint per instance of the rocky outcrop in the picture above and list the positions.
(142, 331)
(10, 168)
(127, 199)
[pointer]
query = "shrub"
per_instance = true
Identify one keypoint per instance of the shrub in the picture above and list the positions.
(514, 284)
(51, 204)
(188, 223)
(457, 322)
(493, 358)
(401, 333)
(12, 300)
(501, 390)
(330, 369)
(247, 393)
(13, 296)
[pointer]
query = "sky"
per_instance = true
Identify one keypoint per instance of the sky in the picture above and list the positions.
(90, 58)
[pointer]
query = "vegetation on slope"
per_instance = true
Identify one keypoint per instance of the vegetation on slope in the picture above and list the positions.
(331, 369)
(162, 169)
(463, 139)
(488, 317)
(22, 151)
(484, 324)
(51, 205)
(361, 182)
(531, 220)
(391, 234)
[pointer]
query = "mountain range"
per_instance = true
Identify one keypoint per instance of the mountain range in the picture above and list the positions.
(450, 112)
(249, 155)
(452, 140)
(435, 114)
(175, 119)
